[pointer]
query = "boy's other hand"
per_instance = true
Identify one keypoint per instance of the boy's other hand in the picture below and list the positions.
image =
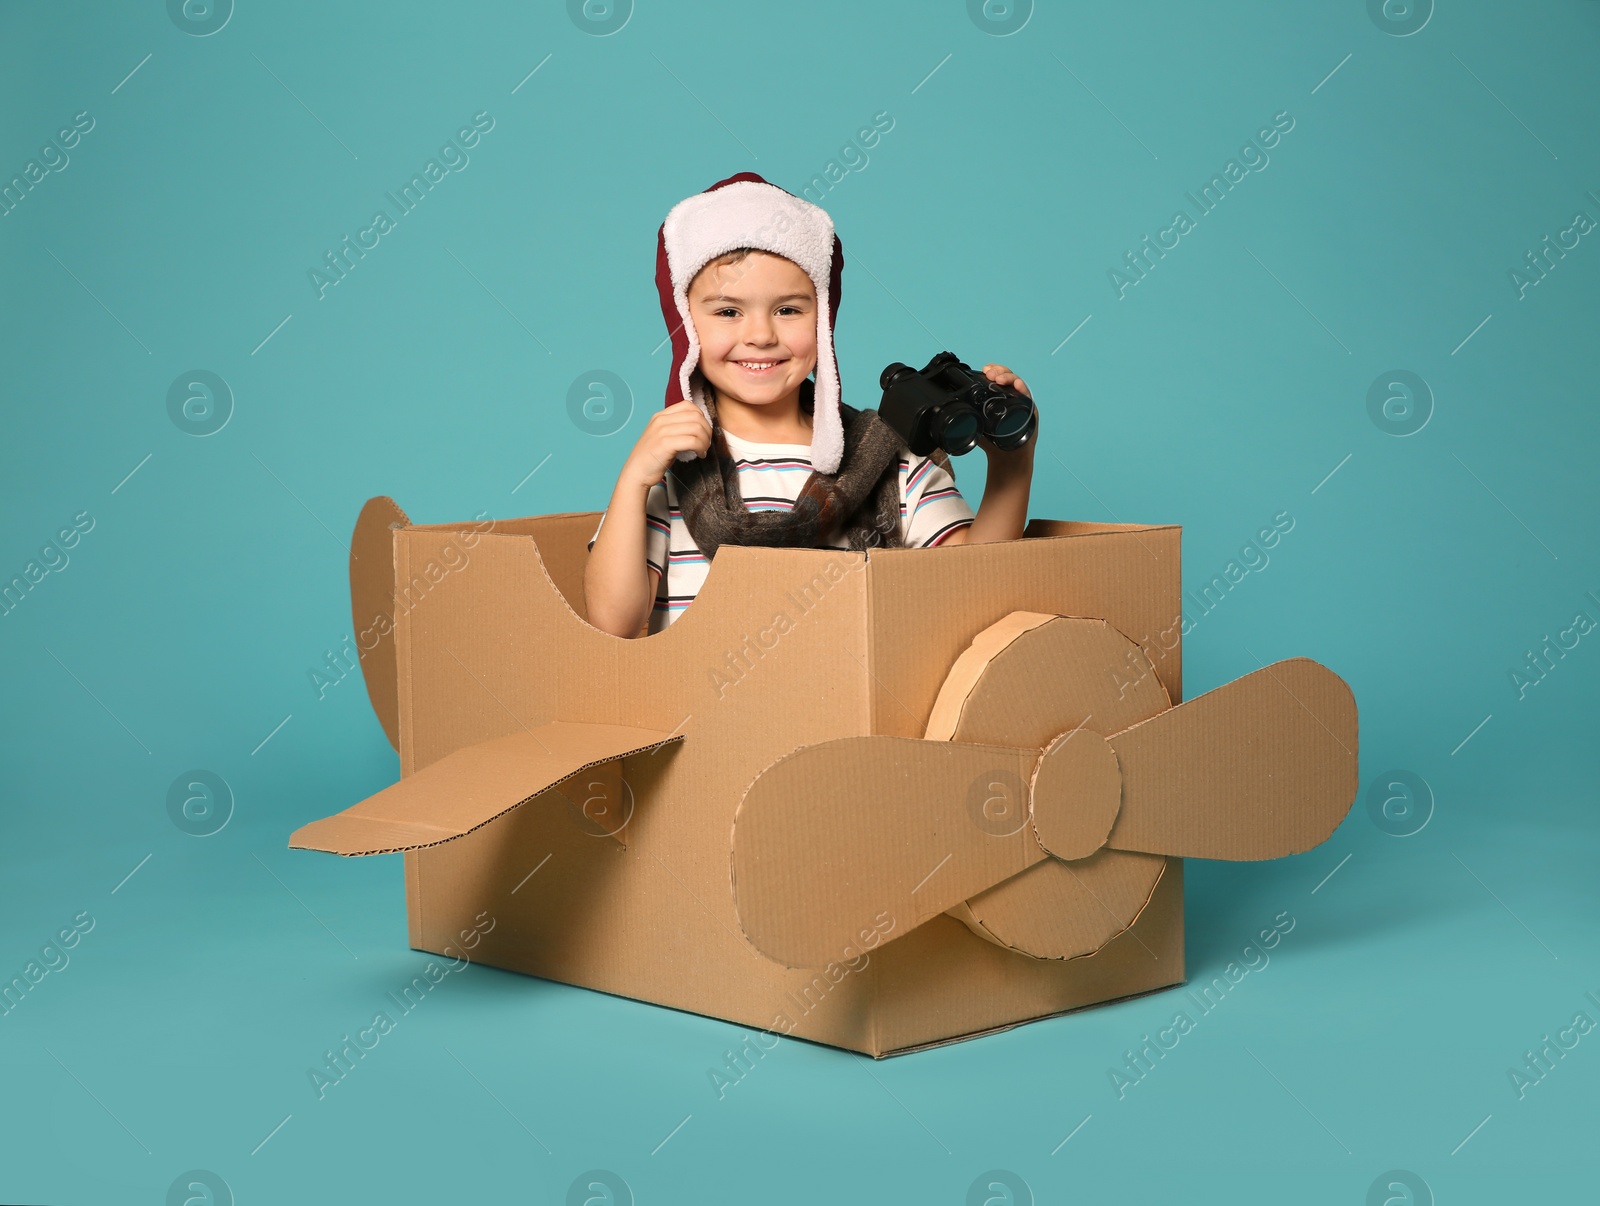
(1001, 375)
(671, 430)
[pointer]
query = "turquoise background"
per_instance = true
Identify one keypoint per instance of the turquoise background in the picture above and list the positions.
(1228, 386)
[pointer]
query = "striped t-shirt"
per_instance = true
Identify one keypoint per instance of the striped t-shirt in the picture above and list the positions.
(770, 479)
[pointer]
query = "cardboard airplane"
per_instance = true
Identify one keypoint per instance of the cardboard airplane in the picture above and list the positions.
(879, 800)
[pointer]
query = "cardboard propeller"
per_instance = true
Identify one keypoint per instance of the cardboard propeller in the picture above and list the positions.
(1054, 776)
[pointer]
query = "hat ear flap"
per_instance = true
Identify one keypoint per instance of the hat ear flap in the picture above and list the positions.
(835, 281)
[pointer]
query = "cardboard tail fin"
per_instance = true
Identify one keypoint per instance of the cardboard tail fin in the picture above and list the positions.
(473, 786)
(372, 607)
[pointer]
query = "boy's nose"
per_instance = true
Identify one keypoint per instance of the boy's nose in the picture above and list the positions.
(761, 334)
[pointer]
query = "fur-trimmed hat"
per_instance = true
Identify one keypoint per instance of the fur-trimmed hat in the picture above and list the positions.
(746, 211)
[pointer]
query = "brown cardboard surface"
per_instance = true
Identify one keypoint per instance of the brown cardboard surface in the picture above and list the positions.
(1017, 678)
(891, 824)
(784, 653)
(974, 662)
(659, 931)
(1076, 794)
(372, 606)
(943, 983)
(601, 800)
(1074, 910)
(472, 787)
(928, 604)
(1261, 767)
(1057, 673)
(499, 645)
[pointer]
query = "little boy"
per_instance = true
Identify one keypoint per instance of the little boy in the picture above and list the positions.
(749, 279)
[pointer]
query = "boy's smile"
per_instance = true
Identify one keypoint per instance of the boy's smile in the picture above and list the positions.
(758, 368)
(756, 321)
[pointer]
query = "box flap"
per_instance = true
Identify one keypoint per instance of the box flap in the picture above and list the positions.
(472, 787)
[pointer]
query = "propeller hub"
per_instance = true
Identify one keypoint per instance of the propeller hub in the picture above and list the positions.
(1076, 794)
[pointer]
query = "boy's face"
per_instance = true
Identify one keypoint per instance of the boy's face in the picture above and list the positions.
(757, 325)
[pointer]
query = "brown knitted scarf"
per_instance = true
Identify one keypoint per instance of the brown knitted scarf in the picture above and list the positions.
(861, 501)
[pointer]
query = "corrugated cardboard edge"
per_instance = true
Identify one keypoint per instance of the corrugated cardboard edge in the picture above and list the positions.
(950, 709)
(450, 837)
(884, 1030)
(1166, 538)
(971, 920)
(1161, 800)
(874, 1053)
(906, 757)
(945, 718)
(1081, 766)
(614, 787)
(1171, 676)
(1044, 1017)
(873, 1047)
(1122, 969)
(874, 993)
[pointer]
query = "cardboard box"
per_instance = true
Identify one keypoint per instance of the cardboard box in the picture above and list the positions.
(878, 800)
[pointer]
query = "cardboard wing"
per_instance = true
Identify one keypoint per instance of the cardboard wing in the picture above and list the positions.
(471, 787)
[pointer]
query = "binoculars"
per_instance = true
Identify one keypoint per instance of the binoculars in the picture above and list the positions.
(947, 404)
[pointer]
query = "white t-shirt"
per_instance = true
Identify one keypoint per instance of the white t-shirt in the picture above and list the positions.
(770, 479)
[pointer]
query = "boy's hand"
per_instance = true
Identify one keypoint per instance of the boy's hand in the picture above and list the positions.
(1003, 513)
(1001, 375)
(670, 431)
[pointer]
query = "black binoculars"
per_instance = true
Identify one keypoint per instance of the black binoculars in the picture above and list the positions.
(947, 405)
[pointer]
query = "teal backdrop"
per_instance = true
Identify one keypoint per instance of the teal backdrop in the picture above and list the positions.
(1380, 321)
